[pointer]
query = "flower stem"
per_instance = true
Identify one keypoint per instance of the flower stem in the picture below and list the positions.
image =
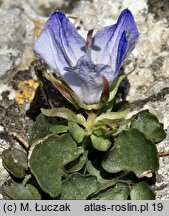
(26, 179)
(90, 122)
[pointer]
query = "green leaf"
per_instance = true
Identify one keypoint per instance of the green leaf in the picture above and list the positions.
(119, 192)
(76, 132)
(48, 158)
(21, 192)
(132, 151)
(41, 128)
(110, 117)
(96, 172)
(100, 143)
(115, 86)
(149, 125)
(15, 161)
(78, 164)
(109, 128)
(78, 187)
(109, 123)
(64, 113)
(59, 129)
(142, 191)
(93, 171)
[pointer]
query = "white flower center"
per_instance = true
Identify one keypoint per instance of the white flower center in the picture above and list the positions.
(91, 22)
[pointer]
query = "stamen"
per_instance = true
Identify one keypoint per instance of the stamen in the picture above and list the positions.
(89, 41)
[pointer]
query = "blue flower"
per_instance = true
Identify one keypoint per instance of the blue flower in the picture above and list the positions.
(81, 63)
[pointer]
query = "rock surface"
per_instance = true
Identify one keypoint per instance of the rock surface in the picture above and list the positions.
(149, 83)
(15, 34)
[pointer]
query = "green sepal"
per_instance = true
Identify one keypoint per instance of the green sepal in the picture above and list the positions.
(76, 132)
(106, 91)
(59, 129)
(100, 143)
(66, 114)
(110, 117)
(110, 128)
(115, 85)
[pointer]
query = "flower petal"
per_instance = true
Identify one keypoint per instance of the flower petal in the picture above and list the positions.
(113, 44)
(66, 35)
(85, 79)
(48, 48)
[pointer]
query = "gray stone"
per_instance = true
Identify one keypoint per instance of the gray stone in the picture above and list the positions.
(15, 34)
